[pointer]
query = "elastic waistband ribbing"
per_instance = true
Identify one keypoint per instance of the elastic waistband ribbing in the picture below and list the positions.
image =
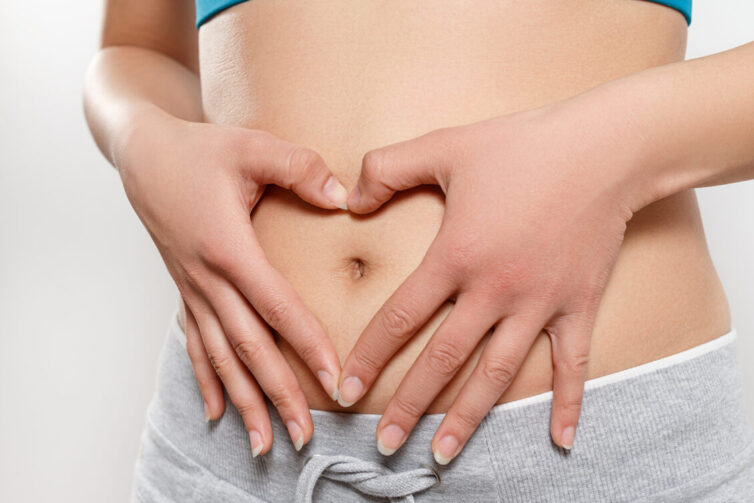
(666, 424)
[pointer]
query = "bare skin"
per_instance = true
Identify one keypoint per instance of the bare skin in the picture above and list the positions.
(345, 266)
(343, 79)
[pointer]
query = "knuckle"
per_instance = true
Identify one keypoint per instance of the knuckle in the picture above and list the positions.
(302, 162)
(512, 275)
(308, 349)
(499, 370)
(461, 254)
(195, 277)
(407, 407)
(571, 404)
(398, 322)
(277, 314)
(222, 259)
(221, 363)
(366, 361)
(573, 365)
(280, 397)
(444, 359)
(372, 164)
(215, 252)
(467, 418)
(249, 350)
(247, 408)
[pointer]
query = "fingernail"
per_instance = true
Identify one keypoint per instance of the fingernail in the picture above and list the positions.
(569, 432)
(256, 443)
(389, 439)
(350, 391)
(336, 193)
(446, 449)
(297, 436)
(206, 413)
(328, 383)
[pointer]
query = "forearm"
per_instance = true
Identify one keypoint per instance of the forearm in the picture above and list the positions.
(126, 85)
(683, 125)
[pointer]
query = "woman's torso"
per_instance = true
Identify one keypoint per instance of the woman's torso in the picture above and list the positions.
(344, 77)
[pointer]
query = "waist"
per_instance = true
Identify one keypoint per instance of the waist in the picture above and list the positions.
(344, 77)
(676, 424)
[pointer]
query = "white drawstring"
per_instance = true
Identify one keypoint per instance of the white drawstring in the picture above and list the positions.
(367, 477)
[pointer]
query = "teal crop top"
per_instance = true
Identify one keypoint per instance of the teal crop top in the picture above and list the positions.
(205, 9)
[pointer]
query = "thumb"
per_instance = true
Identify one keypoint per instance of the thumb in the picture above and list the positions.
(402, 166)
(297, 168)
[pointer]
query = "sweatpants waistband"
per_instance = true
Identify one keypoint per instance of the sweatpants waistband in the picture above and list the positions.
(663, 431)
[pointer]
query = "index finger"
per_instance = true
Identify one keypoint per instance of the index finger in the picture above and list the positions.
(405, 312)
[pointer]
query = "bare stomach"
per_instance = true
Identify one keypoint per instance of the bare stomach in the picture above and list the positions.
(344, 77)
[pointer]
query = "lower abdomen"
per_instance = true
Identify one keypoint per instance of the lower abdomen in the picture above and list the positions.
(345, 77)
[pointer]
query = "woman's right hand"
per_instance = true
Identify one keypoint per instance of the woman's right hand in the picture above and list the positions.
(194, 185)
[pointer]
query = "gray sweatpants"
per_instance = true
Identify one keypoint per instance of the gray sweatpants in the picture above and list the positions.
(670, 430)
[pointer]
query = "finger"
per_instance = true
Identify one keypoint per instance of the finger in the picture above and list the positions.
(570, 358)
(497, 366)
(401, 166)
(209, 383)
(242, 389)
(407, 310)
(252, 341)
(275, 300)
(447, 351)
(274, 161)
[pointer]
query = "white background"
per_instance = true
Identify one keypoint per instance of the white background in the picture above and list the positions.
(84, 297)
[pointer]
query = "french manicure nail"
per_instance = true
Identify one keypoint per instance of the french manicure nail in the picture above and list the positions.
(569, 432)
(256, 443)
(297, 436)
(350, 391)
(329, 383)
(336, 193)
(446, 449)
(389, 439)
(206, 413)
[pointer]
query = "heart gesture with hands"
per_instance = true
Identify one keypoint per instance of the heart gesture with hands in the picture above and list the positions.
(534, 218)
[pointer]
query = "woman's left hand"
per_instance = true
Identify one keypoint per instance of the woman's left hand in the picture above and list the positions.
(536, 209)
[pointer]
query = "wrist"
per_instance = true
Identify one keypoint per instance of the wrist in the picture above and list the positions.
(139, 130)
(622, 121)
